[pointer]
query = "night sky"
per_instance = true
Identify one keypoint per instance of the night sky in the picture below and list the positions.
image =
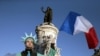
(20, 16)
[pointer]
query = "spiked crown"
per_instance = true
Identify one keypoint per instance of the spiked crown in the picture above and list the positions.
(28, 37)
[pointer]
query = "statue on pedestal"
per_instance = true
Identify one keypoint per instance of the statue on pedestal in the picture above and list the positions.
(47, 36)
(48, 15)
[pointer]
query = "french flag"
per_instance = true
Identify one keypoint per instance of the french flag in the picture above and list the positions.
(76, 23)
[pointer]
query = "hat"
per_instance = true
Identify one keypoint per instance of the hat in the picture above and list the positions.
(28, 37)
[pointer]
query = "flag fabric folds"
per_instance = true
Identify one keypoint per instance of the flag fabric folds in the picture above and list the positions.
(76, 23)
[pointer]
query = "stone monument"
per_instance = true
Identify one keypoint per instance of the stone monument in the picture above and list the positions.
(47, 35)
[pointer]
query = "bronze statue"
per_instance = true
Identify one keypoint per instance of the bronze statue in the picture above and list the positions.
(48, 15)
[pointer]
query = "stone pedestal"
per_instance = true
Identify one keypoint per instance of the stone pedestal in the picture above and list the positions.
(47, 38)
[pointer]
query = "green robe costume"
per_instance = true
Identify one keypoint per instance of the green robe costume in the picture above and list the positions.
(51, 53)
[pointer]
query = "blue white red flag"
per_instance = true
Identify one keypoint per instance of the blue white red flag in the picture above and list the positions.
(76, 23)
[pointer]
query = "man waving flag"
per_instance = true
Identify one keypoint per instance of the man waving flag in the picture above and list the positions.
(76, 23)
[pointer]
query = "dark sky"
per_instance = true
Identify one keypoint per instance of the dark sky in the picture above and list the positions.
(20, 16)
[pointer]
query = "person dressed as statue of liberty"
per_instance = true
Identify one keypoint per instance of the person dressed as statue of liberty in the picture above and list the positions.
(31, 47)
